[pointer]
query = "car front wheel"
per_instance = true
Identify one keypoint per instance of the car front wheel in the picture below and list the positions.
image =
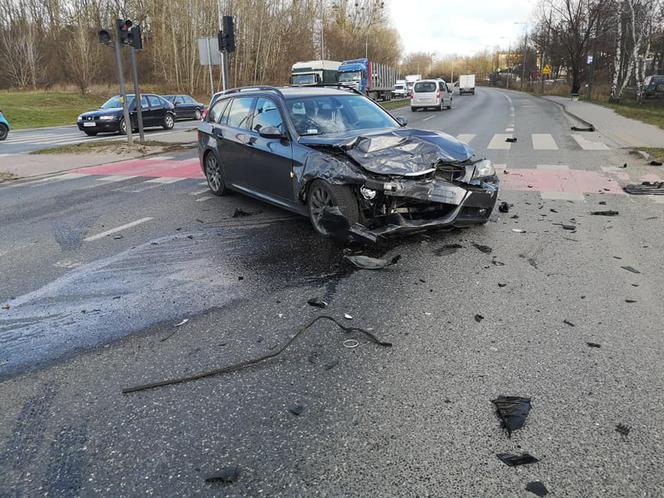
(214, 175)
(169, 122)
(322, 195)
(4, 131)
(122, 128)
(198, 115)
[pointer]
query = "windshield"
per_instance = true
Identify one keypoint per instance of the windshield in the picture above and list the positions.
(116, 102)
(304, 79)
(331, 114)
(350, 76)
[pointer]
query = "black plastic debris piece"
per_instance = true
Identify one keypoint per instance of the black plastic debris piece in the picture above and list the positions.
(605, 213)
(655, 163)
(331, 364)
(226, 475)
(537, 488)
(484, 249)
(495, 262)
(296, 408)
(369, 263)
(630, 300)
(504, 207)
(582, 128)
(602, 203)
(479, 318)
(447, 249)
(568, 227)
(514, 217)
(510, 139)
(645, 188)
(567, 322)
(629, 268)
(514, 460)
(118, 236)
(512, 411)
(623, 430)
(501, 285)
(652, 218)
(241, 213)
(593, 345)
(317, 303)
(553, 210)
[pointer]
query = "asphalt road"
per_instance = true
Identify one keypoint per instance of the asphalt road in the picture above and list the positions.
(91, 313)
(26, 141)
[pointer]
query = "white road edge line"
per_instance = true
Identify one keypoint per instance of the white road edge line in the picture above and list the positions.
(116, 229)
(428, 118)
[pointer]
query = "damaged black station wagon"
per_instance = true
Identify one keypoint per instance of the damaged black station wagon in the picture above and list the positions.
(339, 158)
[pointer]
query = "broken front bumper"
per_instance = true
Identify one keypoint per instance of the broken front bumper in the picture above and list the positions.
(459, 204)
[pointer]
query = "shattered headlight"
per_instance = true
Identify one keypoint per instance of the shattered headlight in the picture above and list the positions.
(484, 168)
(367, 193)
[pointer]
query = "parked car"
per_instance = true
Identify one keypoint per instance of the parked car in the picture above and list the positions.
(4, 126)
(186, 107)
(340, 159)
(431, 93)
(156, 111)
(654, 86)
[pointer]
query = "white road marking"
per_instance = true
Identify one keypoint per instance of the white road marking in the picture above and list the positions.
(206, 198)
(553, 167)
(465, 137)
(165, 180)
(204, 191)
(509, 129)
(114, 178)
(203, 183)
(53, 179)
(116, 229)
(543, 141)
(586, 144)
(428, 118)
(498, 142)
(160, 158)
(563, 196)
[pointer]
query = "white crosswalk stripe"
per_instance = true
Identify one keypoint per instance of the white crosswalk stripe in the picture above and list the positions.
(586, 144)
(543, 141)
(498, 142)
(165, 180)
(465, 137)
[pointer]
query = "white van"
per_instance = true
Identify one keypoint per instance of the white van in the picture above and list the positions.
(431, 93)
(400, 89)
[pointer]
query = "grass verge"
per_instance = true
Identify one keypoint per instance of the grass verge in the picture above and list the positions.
(656, 153)
(7, 177)
(647, 113)
(113, 147)
(395, 104)
(27, 109)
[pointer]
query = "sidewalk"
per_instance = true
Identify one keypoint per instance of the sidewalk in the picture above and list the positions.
(625, 132)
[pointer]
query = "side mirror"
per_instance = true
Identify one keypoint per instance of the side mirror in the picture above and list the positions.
(271, 132)
(402, 120)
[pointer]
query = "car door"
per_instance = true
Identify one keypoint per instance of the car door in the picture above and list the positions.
(271, 166)
(157, 110)
(181, 111)
(236, 141)
(190, 105)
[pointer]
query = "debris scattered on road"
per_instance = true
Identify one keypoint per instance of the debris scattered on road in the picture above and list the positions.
(479, 318)
(351, 343)
(241, 213)
(118, 236)
(568, 227)
(593, 345)
(630, 300)
(504, 207)
(655, 163)
(512, 411)
(652, 218)
(182, 322)
(581, 128)
(629, 268)
(199, 220)
(602, 203)
(255, 361)
(296, 408)
(604, 213)
(501, 285)
(6, 306)
(518, 230)
(447, 249)
(495, 262)
(226, 475)
(347, 316)
(331, 364)
(173, 333)
(553, 210)
(484, 249)
(645, 188)
(567, 322)
(623, 430)
(510, 139)
(514, 217)
(369, 263)
(624, 166)
(514, 460)
(537, 488)
(317, 303)
(240, 277)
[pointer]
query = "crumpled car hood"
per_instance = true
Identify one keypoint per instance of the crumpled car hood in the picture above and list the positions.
(404, 151)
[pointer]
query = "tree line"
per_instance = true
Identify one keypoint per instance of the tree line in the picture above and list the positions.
(55, 42)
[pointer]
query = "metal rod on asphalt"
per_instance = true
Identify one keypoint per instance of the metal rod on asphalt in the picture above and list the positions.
(123, 90)
(137, 95)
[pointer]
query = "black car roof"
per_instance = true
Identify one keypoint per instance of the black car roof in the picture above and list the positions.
(286, 91)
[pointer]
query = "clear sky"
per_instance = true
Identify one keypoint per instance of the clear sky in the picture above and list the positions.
(461, 27)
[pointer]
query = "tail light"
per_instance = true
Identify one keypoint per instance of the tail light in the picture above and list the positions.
(438, 93)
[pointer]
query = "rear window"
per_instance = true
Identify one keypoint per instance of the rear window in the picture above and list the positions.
(425, 86)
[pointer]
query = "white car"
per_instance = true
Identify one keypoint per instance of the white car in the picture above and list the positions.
(400, 89)
(431, 93)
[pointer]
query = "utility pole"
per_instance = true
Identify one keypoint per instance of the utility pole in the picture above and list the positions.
(123, 90)
(525, 55)
(509, 68)
(137, 95)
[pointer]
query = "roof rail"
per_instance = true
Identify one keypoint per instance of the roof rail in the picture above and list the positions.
(339, 85)
(253, 89)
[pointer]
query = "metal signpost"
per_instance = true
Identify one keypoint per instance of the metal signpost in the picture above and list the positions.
(589, 61)
(137, 95)
(123, 90)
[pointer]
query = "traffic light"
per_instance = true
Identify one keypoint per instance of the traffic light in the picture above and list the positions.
(221, 40)
(135, 39)
(124, 25)
(228, 34)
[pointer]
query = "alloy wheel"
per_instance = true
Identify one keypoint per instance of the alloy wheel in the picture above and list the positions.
(320, 199)
(213, 174)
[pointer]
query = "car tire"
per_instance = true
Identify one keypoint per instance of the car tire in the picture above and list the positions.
(214, 174)
(321, 194)
(4, 131)
(198, 115)
(91, 133)
(441, 106)
(413, 109)
(169, 121)
(122, 127)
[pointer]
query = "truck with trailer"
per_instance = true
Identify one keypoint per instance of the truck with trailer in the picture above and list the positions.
(374, 80)
(309, 73)
(466, 84)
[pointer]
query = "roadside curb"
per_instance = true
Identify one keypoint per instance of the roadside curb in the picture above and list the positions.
(568, 112)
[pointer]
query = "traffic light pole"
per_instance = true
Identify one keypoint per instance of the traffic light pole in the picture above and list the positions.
(123, 91)
(137, 94)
